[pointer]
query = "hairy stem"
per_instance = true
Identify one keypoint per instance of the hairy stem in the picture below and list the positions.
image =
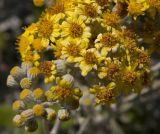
(56, 127)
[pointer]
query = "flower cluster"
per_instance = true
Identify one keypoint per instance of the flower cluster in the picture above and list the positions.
(73, 40)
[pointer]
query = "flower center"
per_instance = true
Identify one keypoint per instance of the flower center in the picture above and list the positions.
(45, 68)
(112, 69)
(143, 57)
(75, 30)
(108, 39)
(45, 28)
(111, 19)
(37, 45)
(62, 93)
(135, 8)
(90, 10)
(90, 58)
(129, 77)
(102, 2)
(105, 95)
(72, 49)
(56, 8)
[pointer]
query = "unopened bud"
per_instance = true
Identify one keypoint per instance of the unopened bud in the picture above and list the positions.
(31, 125)
(18, 121)
(25, 83)
(17, 72)
(26, 65)
(11, 82)
(18, 105)
(51, 114)
(27, 114)
(38, 110)
(63, 114)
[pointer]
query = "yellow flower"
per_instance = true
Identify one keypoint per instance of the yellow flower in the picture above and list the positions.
(32, 57)
(89, 10)
(89, 60)
(24, 44)
(17, 72)
(109, 70)
(33, 72)
(72, 49)
(153, 3)
(18, 121)
(104, 94)
(64, 92)
(74, 27)
(30, 30)
(18, 105)
(25, 83)
(48, 29)
(102, 3)
(61, 8)
(37, 45)
(38, 94)
(129, 77)
(38, 110)
(48, 69)
(136, 8)
(57, 48)
(106, 42)
(111, 19)
(51, 114)
(25, 94)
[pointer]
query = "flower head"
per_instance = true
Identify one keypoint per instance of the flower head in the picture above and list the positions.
(137, 8)
(48, 70)
(89, 60)
(48, 29)
(90, 10)
(72, 49)
(74, 27)
(104, 94)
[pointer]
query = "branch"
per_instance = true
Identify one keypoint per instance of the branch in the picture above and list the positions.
(156, 67)
(56, 127)
(84, 125)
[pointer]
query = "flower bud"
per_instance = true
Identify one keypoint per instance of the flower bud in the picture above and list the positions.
(60, 66)
(26, 65)
(38, 110)
(18, 105)
(63, 114)
(31, 125)
(18, 121)
(78, 92)
(17, 72)
(27, 114)
(25, 83)
(11, 82)
(49, 95)
(25, 95)
(38, 94)
(33, 72)
(69, 78)
(51, 114)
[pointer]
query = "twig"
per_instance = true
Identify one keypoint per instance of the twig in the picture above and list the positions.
(84, 125)
(56, 127)
(156, 67)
